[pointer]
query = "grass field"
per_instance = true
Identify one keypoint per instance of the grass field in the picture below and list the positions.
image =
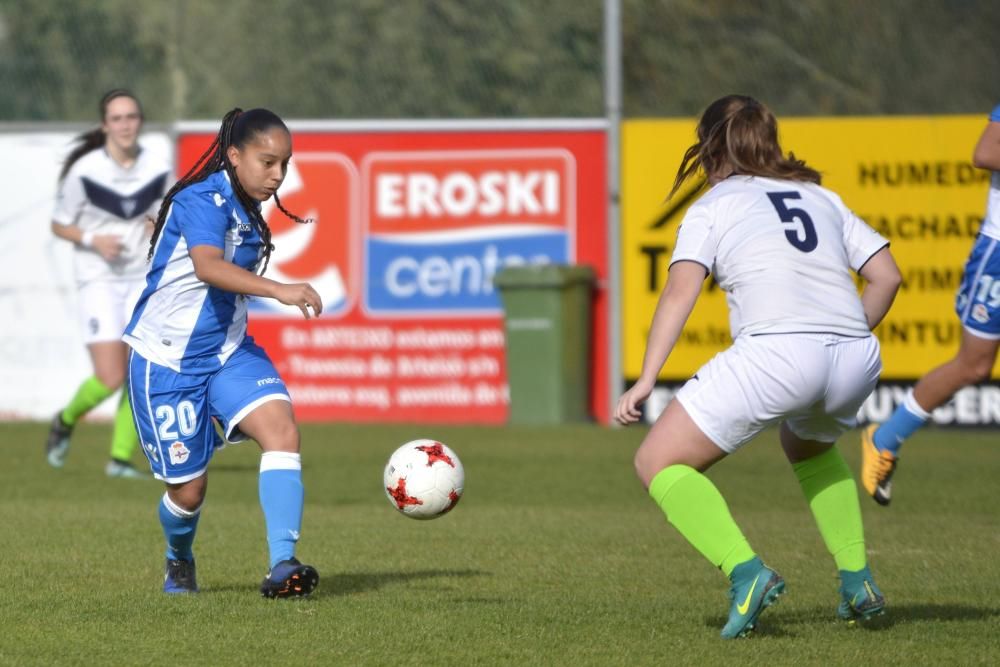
(555, 556)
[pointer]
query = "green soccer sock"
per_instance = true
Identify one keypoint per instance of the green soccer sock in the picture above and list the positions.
(124, 439)
(833, 498)
(90, 394)
(699, 512)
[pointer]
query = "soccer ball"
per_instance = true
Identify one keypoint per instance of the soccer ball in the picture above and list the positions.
(423, 479)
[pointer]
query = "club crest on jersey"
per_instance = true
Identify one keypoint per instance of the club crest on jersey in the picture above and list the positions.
(980, 313)
(178, 453)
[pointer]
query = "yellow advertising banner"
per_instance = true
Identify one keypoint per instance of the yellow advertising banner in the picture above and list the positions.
(911, 178)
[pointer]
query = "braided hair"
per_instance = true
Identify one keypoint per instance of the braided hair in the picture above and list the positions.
(94, 139)
(238, 128)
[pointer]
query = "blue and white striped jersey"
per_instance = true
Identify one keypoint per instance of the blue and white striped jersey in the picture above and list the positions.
(991, 221)
(181, 322)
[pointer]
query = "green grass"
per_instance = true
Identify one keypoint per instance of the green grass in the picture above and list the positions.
(555, 556)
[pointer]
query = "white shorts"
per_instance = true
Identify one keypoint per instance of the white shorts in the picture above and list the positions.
(814, 382)
(105, 307)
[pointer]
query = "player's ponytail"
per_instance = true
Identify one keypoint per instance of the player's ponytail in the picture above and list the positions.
(209, 163)
(740, 133)
(94, 139)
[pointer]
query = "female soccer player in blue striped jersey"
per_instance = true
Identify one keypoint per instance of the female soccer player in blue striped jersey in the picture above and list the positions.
(108, 189)
(783, 249)
(978, 307)
(192, 363)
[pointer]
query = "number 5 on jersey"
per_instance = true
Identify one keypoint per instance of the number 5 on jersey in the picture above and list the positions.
(808, 240)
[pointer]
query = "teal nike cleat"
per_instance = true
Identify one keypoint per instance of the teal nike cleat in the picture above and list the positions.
(124, 470)
(57, 443)
(860, 598)
(755, 587)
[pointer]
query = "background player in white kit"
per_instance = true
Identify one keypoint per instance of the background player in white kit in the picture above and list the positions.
(193, 365)
(803, 356)
(108, 188)
(978, 307)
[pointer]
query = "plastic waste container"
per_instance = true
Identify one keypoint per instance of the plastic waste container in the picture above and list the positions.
(547, 315)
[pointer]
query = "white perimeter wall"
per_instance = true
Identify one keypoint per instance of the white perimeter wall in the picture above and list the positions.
(42, 356)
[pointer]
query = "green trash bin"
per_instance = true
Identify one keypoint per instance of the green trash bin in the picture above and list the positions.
(547, 322)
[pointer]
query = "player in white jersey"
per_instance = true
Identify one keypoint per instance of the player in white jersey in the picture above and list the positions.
(977, 304)
(192, 364)
(803, 356)
(108, 189)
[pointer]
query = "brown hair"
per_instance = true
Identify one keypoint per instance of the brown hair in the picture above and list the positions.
(94, 139)
(739, 131)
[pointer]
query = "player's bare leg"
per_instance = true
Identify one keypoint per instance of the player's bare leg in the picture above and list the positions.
(880, 444)
(670, 463)
(972, 364)
(675, 440)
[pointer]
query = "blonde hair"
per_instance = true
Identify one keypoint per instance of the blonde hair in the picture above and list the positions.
(740, 131)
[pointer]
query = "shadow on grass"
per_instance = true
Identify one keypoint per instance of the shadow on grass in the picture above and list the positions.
(768, 625)
(337, 585)
(361, 582)
(774, 621)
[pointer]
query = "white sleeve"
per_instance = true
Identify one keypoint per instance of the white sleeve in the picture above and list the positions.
(70, 199)
(860, 239)
(166, 170)
(695, 240)
(154, 208)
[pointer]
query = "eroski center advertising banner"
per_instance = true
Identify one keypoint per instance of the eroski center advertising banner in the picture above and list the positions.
(410, 227)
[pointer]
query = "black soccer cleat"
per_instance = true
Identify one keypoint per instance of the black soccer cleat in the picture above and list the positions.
(289, 579)
(179, 577)
(57, 444)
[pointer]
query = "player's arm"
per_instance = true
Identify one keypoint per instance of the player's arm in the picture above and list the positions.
(211, 267)
(672, 311)
(107, 246)
(882, 281)
(987, 153)
(70, 200)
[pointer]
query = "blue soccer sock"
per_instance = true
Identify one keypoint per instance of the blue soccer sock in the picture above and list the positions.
(179, 527)
(281, 498)
(907, 418)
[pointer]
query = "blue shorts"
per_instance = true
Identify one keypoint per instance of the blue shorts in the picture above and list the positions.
(175, 413)
(978, 300)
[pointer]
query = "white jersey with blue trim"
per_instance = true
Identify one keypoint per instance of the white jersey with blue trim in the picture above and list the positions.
(991, 221)
(180, 321)
(101, 196)
(783, 252)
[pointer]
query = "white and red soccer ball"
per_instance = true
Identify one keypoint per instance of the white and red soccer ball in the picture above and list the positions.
(424, 479)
